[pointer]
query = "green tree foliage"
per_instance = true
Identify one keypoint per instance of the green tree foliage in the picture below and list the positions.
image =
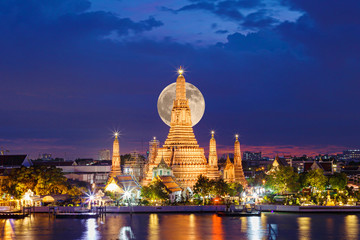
(42, 180)
(219, 187)
(283, 179)
(156, 190)
(203, 187)
(235, 189)
(315, 179)
(338, 181)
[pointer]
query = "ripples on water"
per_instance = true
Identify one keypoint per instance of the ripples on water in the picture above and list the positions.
(183, 226)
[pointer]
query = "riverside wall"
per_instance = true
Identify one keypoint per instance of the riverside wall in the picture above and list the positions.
(211, 209)
(309, 209)
(145, 209)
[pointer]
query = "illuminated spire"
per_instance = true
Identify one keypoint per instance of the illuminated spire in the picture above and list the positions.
(180, 71)
(212, 151)
(180, 86)
(239, 173)
(115, 167)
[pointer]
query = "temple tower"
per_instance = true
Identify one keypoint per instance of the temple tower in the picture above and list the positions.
(213, 171)
(181, 150)
(115, 167)
(229, 171)
(239, 173)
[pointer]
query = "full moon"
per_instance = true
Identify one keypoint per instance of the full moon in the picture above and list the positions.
(167, 97)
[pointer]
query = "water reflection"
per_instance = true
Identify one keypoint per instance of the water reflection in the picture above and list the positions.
(192, 227)
(217, 231)
(351, 227)
(91, 232)
(329, 226)
(126, 233)
(154, 227)
(7, 229)
(182, 226)
(304, 228)
(243, 225)
(255, 231)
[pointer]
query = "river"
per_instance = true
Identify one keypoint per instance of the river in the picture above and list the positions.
(184, 226)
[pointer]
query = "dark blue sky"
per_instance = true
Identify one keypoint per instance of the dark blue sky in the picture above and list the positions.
(283, 74)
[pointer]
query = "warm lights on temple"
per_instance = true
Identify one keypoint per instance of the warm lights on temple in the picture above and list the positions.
(180, 71)
(111, 187)
(116, 134)
(236, 136)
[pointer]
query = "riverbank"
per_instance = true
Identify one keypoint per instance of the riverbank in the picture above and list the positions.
(207, 209)
(309, 209)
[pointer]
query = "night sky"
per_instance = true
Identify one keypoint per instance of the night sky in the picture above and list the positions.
(283, 74)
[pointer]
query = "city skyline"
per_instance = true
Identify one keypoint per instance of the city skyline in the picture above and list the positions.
(258, 64)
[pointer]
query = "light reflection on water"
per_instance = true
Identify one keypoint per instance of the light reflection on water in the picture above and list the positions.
(304, 228)
(91, 232)
(351, 227)
(182, 226)
(154, 227)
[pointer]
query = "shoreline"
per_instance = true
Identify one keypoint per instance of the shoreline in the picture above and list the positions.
(205, 209)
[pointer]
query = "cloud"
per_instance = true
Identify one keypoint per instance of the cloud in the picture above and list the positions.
(259, 20)
(288, 84)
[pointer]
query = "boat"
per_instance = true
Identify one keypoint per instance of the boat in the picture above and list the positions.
(239, 214)
(247, 210)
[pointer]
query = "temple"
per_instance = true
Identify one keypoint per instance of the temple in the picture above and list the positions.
(229, 171)
(239, 173)
(213, 170)
(181, 150)
(115, 167)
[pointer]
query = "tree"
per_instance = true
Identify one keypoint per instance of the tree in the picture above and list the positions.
(42, 180)
(315, 179)
(203, 187)
(283, 179)
(235, 189)
(156, 190)
(338, 181)
(219, 187)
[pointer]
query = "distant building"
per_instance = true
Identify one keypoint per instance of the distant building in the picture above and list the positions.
(86, 170)
(135, 166)
(351, 155)
(104, 154)
(327, 167)
(252, 156)
(45, 156)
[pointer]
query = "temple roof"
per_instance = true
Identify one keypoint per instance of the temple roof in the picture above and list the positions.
(228, 163)
(162, 164)
(12, 160)
(280, 162)
(170, 183)
(326, 166)
(126, 182)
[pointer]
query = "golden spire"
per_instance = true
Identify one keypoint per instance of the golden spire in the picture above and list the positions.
(115, 167)
(180, 86)
(228, 161)
(212, 151)
(180, 71)
(237, 151)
